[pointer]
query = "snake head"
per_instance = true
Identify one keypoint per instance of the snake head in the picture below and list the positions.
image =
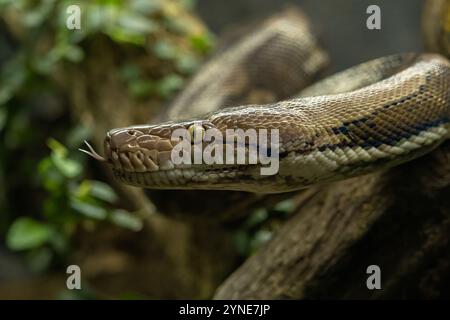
(147, 148)
(164, 156)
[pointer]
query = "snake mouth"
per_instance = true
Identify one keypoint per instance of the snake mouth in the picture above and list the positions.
(180, 178)
(132, 151)
(145, 158)
(145, 161)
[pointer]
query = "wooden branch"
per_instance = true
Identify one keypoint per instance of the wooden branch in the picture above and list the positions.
(398, 220)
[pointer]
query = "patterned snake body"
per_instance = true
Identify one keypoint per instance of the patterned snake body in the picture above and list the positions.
(272, 63)
(322, 138)
(373, 116)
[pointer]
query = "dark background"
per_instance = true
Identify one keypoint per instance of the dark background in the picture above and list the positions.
(340, 24)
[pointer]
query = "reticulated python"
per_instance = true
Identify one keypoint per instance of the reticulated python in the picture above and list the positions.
(373, 116)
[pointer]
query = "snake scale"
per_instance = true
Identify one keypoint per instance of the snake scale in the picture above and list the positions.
(370, 117)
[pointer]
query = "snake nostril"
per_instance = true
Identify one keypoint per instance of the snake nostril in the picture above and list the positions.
(120, 137)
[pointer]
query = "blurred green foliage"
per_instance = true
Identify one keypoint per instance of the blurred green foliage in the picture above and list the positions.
(48, 189)
(46, 193)
(258, 228)
(70, 201)
(127, 22)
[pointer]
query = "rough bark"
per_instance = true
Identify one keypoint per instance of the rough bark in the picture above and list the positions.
(397, 219)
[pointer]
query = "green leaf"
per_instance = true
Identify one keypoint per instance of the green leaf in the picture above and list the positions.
(169, 84)
(137, 23)
(257, 217)
(26, 233)
(145, 6)
(98, 17)
(141, 88)
(82, 190)
(187, 63)
(202, 43)
(73, 53)
(260, 238)
(52, 179)
(126, 219)
(285, 206)
(57, 147)
(102, 191)
(88, 209)
(164, 50)
(37, 16)
(122, 35)
(6, 93)
(130, 72)
(69, 168)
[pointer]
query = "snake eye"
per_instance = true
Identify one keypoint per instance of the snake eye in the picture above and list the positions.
(196, 133)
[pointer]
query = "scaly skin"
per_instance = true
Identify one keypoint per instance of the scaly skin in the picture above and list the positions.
(322, 138)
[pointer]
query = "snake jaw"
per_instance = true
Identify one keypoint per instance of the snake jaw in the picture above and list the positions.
(145, 148)
(142, 156)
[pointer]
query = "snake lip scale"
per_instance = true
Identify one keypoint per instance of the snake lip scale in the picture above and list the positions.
(399, 113)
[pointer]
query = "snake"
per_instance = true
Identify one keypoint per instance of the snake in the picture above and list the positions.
(370, 117)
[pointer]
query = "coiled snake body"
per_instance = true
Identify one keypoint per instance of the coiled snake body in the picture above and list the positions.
(373, 116)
